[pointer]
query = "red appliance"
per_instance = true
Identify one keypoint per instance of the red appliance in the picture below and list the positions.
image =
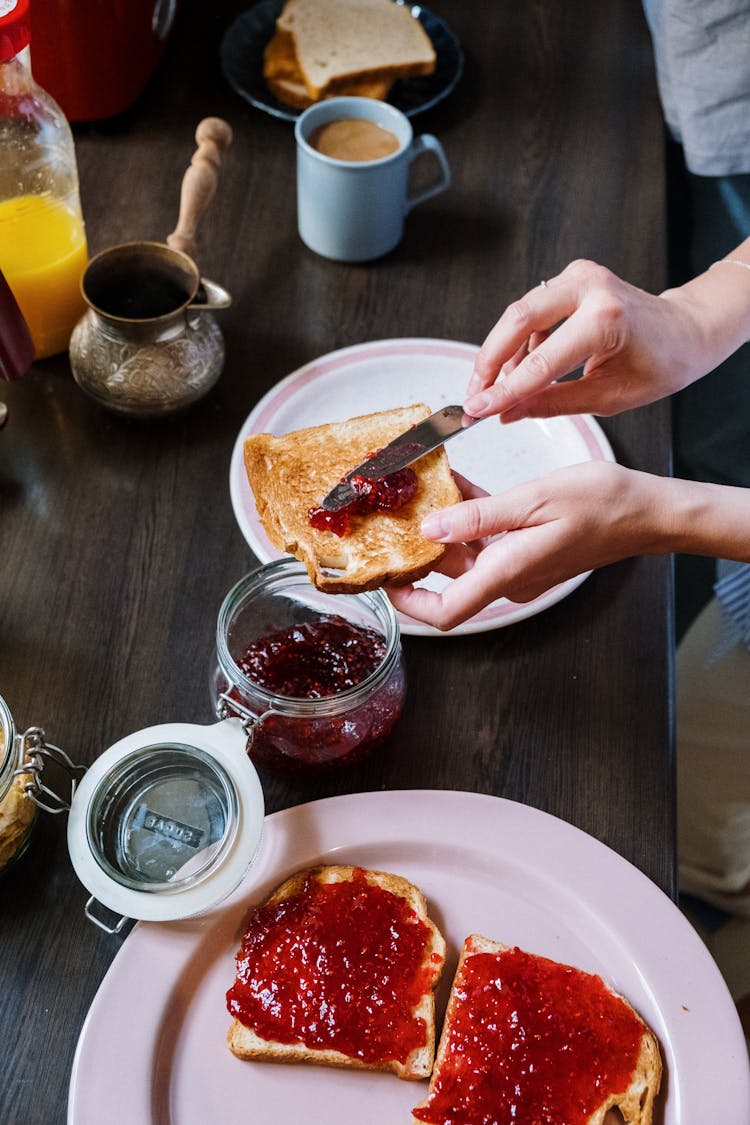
(95, 56)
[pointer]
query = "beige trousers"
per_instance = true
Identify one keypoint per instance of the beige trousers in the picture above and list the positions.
(713, 767)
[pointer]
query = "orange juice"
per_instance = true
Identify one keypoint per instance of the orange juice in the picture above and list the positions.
(43, 255)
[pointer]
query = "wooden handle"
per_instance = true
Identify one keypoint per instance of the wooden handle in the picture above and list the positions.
(212, 136)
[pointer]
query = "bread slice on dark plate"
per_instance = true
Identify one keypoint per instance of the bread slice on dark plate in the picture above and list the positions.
(336, 41)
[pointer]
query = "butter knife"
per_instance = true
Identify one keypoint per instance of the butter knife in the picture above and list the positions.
(407, 447)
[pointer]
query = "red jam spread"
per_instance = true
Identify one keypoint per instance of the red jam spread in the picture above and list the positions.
(317, 660)
(337, 966)
(531, 1041)
(313, 659)
(385, 495)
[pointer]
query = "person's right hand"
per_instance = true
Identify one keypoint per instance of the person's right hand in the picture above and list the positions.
(635, 347)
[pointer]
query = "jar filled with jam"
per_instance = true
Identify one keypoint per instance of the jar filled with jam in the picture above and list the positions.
(318, 678)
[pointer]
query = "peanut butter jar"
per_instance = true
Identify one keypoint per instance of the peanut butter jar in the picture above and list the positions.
(163, 824)
(18, 810)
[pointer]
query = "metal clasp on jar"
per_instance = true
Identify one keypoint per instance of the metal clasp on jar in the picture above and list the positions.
(227, 707)
(35, 754)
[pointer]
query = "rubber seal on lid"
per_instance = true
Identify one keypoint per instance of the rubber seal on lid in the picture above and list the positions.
(166, 822)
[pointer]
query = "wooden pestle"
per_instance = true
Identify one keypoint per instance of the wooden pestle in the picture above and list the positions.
(212, 136)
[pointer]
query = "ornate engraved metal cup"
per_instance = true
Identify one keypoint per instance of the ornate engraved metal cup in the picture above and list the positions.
(148, 343)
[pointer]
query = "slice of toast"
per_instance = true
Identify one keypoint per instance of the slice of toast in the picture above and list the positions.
(285, 82)
(294, 93)
(528, 1039)
(291, 474)
(321, 978)
(364, 39)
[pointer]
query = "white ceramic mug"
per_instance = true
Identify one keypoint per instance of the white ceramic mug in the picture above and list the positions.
(353, 211)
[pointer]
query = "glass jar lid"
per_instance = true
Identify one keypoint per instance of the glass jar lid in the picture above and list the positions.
(167, 821)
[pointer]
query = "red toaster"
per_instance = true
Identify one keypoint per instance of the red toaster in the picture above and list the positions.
(95, 56)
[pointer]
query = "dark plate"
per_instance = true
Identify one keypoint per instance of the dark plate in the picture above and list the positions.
(242, 62)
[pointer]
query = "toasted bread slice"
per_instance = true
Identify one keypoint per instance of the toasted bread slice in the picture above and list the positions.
(285, 82)
(345, 992)
(551, 1040)
(289, 91)
(345, 39)
(291, 474)
(295, 94)
(279, 59)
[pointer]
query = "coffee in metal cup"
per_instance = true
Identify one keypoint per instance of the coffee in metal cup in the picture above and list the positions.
(148, 343)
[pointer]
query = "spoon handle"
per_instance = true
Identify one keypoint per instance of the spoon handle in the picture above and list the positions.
(213, 136)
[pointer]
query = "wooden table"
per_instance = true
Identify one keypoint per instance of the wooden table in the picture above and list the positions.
(118, 538)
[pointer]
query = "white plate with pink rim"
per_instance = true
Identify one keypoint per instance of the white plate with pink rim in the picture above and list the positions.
(153, 1051)
(384, 374)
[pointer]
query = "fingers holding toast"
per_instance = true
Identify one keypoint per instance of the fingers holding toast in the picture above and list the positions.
(292, 473)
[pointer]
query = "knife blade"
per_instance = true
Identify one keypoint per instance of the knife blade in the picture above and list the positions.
(402, 451)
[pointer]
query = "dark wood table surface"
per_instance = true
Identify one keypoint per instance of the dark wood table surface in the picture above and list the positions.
(118, 538)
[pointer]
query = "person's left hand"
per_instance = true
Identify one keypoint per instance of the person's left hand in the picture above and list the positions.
(533, 536)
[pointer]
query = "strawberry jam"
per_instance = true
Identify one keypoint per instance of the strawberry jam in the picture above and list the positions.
(318, 660)
(339, 522)
(313, 659)
(385, 495)
(531, 1041)
(338, 966)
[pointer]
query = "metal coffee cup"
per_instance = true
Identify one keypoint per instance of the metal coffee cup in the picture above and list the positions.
(148, 343)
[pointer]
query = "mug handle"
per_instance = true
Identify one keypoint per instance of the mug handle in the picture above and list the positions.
(216, 297)
(427, 143)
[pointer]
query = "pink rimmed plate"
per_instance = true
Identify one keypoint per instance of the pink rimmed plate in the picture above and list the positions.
(388, 373)
(152, 1050)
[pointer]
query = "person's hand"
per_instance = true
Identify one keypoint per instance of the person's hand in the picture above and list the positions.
(634, 347)
(535, 535)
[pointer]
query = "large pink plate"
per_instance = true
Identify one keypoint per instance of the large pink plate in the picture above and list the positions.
(387, 373)
(152, 1050)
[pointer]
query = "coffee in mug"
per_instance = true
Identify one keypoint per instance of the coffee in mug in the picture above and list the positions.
(354, 139)
(352, 197)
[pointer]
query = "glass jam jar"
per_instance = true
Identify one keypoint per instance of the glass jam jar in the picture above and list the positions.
(18, 810)
(318, 678)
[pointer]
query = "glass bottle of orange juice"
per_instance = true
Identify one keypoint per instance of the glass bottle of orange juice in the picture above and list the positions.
(42, 239)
